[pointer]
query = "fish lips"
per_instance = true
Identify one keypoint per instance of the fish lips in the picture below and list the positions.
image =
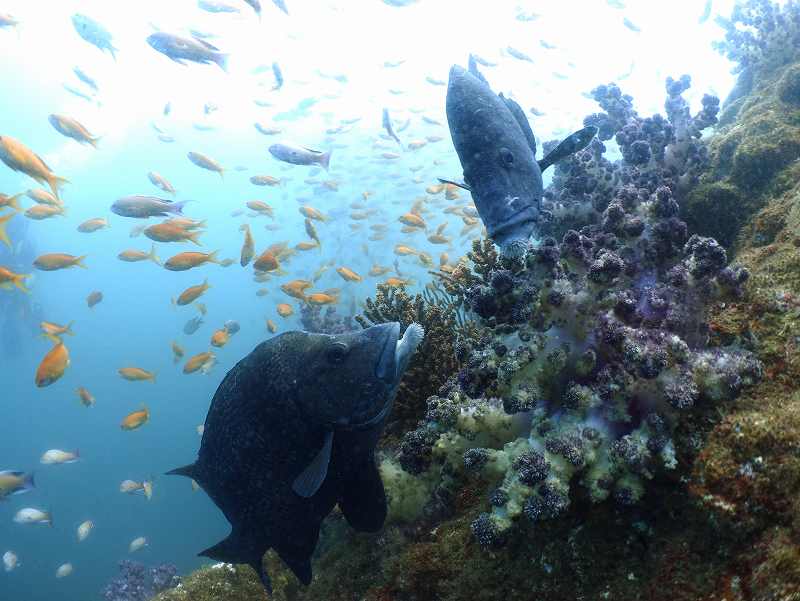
(386, 367)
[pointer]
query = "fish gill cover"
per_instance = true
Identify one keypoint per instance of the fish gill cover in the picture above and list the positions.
(603, 404)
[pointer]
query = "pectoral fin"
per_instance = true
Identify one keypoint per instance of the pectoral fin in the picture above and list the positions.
(451, 182)
(310, 479)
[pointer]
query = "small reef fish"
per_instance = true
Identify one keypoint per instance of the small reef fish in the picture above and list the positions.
(192, 325)
(86, 398)
(92, 225)
(10, 561)
(348, 274)
(142, 207)
(84, 529)
(188, 260)
(131, 487)
(137, 544)
(94, 298)
(268, 131)
(56, 261)
(299, 155)
(41, 212)
(205, 162)
(136, 374)
(54, 330)
(69, 127)
(19, 157)
(64, 570)
(387, 125)
(8, 279)
(134, 256)
(180, 49)
(177, 352)
(312, 213)
(264, 180)
(192, 293)
(170, 232)
(248, 246)
(31, 515)
(220, 338)
(15, 483)
(160, 182)
(200, 362)
(284, 310)
(57, 457)
(94, 33)
(135, 420)
(80, 74)
(217, 6)
(53, 366)
(518, 54)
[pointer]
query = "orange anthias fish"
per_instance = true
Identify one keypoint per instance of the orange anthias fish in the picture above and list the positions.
(21, 158)
(248, 247)
(9, 278)
(4, 219)
(312, 213)
(348, 274)
(134, 256)
(135, 420)
(285, 310)
(320, 298)
(220, 338)
(296, 288)
(177, 352)
(53, 330)
(192, 293)
(169, 232)
(136, 374)
(271, 326)
(53, 365)
(55, 261)
(92, 225)
(87, 400)
(266, 262)
(200, 361)
(188, 260)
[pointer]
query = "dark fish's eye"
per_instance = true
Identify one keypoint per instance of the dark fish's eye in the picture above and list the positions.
(337, 352)
(506, 156)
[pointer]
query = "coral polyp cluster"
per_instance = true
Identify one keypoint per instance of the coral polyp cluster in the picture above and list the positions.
(594, 347)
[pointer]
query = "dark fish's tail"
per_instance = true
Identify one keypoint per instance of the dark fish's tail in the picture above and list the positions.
(238, 549)
(222, 61)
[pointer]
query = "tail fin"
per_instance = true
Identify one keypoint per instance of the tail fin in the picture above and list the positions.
(3, 235)
(193, 237)
(28, 483)
(113, 52)
(79, 261)
(94, 141)
(55, 182)
(20, 283)
(325, 159)
(13, 201)
(153, 256)
(222, 61)
(177, 207)
(212, 258)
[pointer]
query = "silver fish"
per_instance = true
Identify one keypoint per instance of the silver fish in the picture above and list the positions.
(299, 155)
(181, 49)
(142, 207)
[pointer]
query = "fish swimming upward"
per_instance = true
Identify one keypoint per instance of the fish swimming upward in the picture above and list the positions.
(497, 150)
(291, 433)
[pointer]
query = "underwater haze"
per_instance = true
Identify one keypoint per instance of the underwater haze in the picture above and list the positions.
(320, 77)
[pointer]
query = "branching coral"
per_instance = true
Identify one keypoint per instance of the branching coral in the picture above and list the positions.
(434, 361)
(324, 321)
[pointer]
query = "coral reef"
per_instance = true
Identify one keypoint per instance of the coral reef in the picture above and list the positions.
(136, 582)
(656, 151)
(435, 359)
(324, 321)
(220, 582)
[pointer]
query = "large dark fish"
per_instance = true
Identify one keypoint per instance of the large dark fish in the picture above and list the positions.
(179, 49)
(497, 150)
(291, 432)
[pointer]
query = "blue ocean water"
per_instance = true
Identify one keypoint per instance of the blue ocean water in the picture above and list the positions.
(135, 323)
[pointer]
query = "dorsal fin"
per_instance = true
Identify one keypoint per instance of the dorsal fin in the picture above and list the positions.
(472, 67)
(573, 143)
(522, 120)
(206, 44)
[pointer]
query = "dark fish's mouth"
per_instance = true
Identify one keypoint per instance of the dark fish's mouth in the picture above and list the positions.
(386, 368)
(526, 217)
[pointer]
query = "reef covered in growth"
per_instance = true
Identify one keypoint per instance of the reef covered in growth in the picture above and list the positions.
(137, 582)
